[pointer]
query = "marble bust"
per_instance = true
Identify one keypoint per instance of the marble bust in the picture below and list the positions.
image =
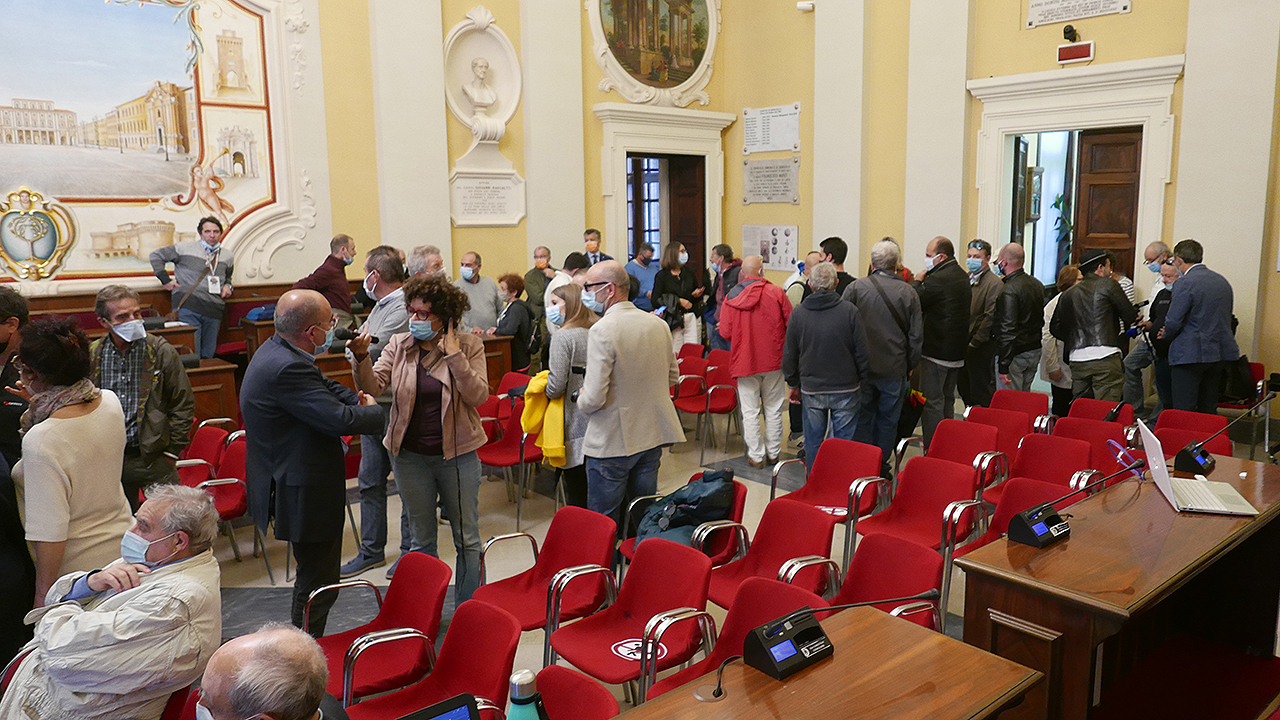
(477, 91)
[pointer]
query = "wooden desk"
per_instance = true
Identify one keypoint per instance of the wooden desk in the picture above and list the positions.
(336, 367)
(883, 667)
(182, 336)
(497, 357)
(214, 384)
(1085, 610)
(256, 332)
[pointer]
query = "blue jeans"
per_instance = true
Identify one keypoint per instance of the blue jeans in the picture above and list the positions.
(1134, 393)
(881, 405)
(206, 331)
(375, 465)
(839, 410)
(423, 478)
(614, 481)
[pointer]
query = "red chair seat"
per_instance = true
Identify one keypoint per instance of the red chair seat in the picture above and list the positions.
(787, 530)
(381, 668)
(837, 464)
(926, 486)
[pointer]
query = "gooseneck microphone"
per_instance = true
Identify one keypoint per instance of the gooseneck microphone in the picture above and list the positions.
(1041, 526)
(1195, 459)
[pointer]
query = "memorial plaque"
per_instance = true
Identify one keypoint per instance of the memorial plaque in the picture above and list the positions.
(486, 200)
(1045, 12)
(771, 181)
(771, 128)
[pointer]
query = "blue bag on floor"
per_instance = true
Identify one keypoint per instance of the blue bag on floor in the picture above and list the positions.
(675, 516)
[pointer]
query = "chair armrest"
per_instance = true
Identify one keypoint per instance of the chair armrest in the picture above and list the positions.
(773, 481)
(705, 530)
(901, 450)
(484, 703)
(499, 538)
(306, 613)
(1043, 424)
(235, 436)
(951, 518)
(787, 573)
(912, 608)
(702, 384)
(193, 462)
(555, 594)
(222, 481)
(626, 520)
(1131, 437)
(992, 468)
(364, 642)
(856, 489)
(1083, 477)
(656, 628)
(218, 421)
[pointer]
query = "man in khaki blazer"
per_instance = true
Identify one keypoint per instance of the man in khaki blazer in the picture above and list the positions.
(626, 395)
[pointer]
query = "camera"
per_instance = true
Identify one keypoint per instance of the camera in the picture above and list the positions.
(1273, 383)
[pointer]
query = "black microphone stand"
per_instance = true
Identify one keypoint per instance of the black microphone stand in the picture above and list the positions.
(1194, 459)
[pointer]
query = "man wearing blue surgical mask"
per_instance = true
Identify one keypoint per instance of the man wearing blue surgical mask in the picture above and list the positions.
(145, 372)
(486, 301)
(117, 642)
(1142, 355)
(977, 380)
(330, 279)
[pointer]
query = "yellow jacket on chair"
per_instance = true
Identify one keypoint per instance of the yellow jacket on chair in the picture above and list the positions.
(546, 418)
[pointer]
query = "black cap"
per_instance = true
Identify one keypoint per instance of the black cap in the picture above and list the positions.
(1092, 258)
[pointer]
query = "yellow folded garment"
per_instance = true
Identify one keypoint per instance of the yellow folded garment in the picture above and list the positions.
(546, 418)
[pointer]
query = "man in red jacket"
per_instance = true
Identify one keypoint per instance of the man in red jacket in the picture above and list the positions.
(754, 321)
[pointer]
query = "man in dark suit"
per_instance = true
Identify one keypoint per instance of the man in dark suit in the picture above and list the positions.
(293, 419)
(1199, 328)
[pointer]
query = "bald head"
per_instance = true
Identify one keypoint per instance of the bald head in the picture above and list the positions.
(300, 310)
(278, 671)
(1013, 256)
(940, 246)
(752, 266)
(612, 272)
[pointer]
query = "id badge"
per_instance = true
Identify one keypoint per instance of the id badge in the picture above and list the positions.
(215, 284)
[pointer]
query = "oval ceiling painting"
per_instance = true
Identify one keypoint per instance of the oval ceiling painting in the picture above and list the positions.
(660, 43)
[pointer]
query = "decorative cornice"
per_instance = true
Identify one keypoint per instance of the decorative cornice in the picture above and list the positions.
(1128, 73)
(665, 116)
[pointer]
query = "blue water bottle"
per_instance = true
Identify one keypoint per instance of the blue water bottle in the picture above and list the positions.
(526, 702)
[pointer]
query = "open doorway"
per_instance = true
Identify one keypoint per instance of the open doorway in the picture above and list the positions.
(1073, 190)
(666, 201)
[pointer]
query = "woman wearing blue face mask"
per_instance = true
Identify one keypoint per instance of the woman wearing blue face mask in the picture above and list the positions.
(437, 378)
(678, 289)
(566, 369)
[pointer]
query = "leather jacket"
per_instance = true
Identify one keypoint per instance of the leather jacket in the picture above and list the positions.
(1019, 316)
(1093, 313)
(944, 301)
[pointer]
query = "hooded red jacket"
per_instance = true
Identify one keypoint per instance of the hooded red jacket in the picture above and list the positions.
(754, 321)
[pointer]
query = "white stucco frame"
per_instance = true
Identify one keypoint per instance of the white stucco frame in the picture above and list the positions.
(1136, 92)
(671, 131)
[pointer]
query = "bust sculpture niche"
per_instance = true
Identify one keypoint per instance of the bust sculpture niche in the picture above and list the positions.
(477, 91)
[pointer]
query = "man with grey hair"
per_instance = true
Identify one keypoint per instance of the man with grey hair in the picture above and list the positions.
(426, 260)
(278, 672)
(890, 312)
(824, 361)
(1135, 386)
(116, 642)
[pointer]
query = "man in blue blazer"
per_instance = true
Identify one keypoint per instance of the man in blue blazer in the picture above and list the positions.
(1199, 326)
(293, 420)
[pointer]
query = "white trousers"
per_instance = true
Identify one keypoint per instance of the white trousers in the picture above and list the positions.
(691, 333)
(765, 390)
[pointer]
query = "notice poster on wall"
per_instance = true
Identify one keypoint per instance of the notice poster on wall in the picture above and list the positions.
(772, 128)
(778, 245)
(1046, 12)
(771, 181)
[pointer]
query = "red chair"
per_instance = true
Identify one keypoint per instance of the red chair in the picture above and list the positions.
(515, 449)
(1259, 373)
(758, 601)
(965, 443)
(1020, 493)
(1047, 458)
(1174, 439)
(885, 566)
(718, 358)
(11, 669)
(236, 311)
(664, 576)
(1206, 423)
(411, 609)
(720, 547)
(1032, 403)
(1011, 426)
(570, 695)
(495, 411)
(1096, 433)
(476, 657)
(200, 460)
(577, 537)
(787, 530)
(690, 350)
(926, 486)
(829, 487)
(692, 378)
(1091, 409)
(231, 496)
(719, 396)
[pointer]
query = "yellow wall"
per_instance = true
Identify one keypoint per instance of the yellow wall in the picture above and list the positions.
(884, 123)
(1268, 320)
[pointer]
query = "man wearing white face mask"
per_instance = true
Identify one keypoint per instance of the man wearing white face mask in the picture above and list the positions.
(144, 371)
(117, 642)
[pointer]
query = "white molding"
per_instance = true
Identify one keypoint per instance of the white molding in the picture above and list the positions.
(617, 78)
(410, 125)
(838, 46)
(937, 114)
(479, 20)
(1136, 92)
(649, 129)
(1224, 146)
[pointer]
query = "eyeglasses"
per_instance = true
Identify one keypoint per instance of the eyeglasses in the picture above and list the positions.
(590, 286)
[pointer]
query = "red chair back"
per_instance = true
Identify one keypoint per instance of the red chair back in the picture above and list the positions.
(1174, 439)
(232, 500)
(1207, 423)
(718, 358)
(1011, 426)
(721, 546)
(885, 566)
(569, 695)
(1032, 403)
(788, 529)
(1091, 409)
(694, 372)
(690, 350)
(838, 463)
(206, 444)
(11, 669)
(723, 388)
(961, 442)
(477, 654)
(1096, 433)
(663, 576)
(926, 486)
(1050, 458)
(505, 451)
(1257, 371)
(1019, 494)
(577, 537)
(176, 706)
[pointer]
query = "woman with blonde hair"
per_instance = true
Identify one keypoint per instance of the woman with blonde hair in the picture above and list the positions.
(567, 368)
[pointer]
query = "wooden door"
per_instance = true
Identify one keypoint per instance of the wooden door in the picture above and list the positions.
(688, 207)
(1107, 195)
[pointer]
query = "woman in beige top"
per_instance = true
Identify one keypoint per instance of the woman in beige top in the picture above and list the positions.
(73, 507)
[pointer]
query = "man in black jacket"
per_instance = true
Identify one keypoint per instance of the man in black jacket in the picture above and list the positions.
(1088, 321)
(1019, 320)
(294, 418)
(944, 300)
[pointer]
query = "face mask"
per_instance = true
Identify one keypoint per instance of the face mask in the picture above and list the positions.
(540, 264)
(467, 272)
(130, 331)
(202, 713)
(1168, 286)
(348, 260)
(973, 264)
(367, 287)
(328, 339)
(589, 299)
(209, 248)
(133, 549)
(555, 316)
(422, 330)
(929, 260)
(998, 269)
(684, 258)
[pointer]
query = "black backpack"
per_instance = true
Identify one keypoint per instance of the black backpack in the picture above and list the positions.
(675, 516)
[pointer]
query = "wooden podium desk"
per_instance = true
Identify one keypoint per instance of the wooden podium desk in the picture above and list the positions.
(179, 336)
(1132, 573)
(214, 385)
(883, 667)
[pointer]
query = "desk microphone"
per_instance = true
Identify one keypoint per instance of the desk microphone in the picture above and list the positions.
(795, 641)
(1196, 460)
(1041, 526)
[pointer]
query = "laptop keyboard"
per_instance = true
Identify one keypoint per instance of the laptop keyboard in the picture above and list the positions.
(1196, 495)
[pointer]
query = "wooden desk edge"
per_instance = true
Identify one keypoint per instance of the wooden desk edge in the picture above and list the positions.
(1016, 692)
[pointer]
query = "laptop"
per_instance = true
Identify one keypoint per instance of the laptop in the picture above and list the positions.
(458, 707)
(1185, 495)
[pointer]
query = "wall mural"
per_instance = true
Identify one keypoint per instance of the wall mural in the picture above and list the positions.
(655, 52)
(137, 117)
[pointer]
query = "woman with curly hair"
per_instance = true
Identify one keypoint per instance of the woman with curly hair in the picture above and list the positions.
(567, 368)
(68, 480)
(437, 378)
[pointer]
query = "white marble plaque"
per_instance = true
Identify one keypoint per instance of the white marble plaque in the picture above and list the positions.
(771, 128)
(771, 181)
(1045, 12)
(486, 199)
(778, 245)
